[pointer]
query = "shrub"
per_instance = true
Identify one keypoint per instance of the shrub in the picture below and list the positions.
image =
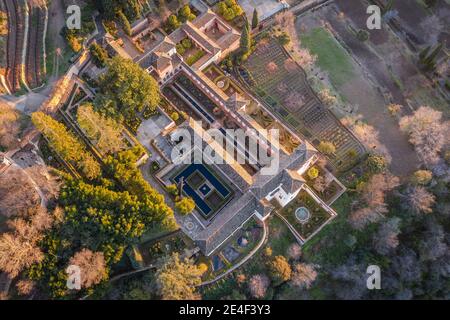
(172, 189)
(175, 116)
(229, 9)
(268, 251)
(327, 148)
(279, 270)
(362, 35)
(313, 173)
(352, 153)
(187, 43)
(422, 177)
(155, 166)
(185, 205)
(149, 112)
(203, 267)
(284, 38)
(98, 54)
(180, 49)
(376, 163)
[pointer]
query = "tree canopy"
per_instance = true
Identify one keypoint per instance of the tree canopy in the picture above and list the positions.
(130, 86)
(66, 144)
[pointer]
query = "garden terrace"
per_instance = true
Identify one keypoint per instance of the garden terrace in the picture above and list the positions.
(175, 100)
(243, 241)
(153, 249)
(223, 83)
(282, 85)
(306, 213)
(16, 29)
(325, 185)
(35, 46)
(79, 94)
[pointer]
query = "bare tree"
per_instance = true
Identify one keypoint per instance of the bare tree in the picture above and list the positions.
(427, 132)
(258, 285)
(386, 239)
(16, 192)
(350, 278)
(433, 246)
(368, 135)
(360, 218)
(294, 251)
(25, 287)
(417, 199)
(375, 190)
(92, 266)
(304, 275)
(18, 252)
(9, 126)
(286, 20)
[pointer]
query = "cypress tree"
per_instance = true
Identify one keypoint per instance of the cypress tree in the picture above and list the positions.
(245, 42)
(255, 19)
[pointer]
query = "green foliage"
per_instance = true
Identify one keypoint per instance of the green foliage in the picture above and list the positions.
(172, 189)
(99, 55)
(187, 43)
(255, 19)
(362, 35)
(176, 279)
(123, 20)
(194, 57)
(185, 205)
(313, 173)
(131, 87)
(284, 38)
(66, 144)
(180, 49)
(185, 14)
(427, 59)
(74, 42)
(173, 22)
(175, 116)
(246, 41)
(105, 133)
(3, 23)
(376, 163)
(229, 9)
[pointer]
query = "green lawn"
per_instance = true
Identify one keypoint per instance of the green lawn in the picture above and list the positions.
(331, 56)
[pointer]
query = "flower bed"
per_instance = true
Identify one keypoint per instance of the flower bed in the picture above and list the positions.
(326, 190)
(318, 215)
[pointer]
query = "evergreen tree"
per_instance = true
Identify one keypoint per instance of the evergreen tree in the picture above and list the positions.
(124, 22)
(66, 144)
(245, 41)
(255, 19)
